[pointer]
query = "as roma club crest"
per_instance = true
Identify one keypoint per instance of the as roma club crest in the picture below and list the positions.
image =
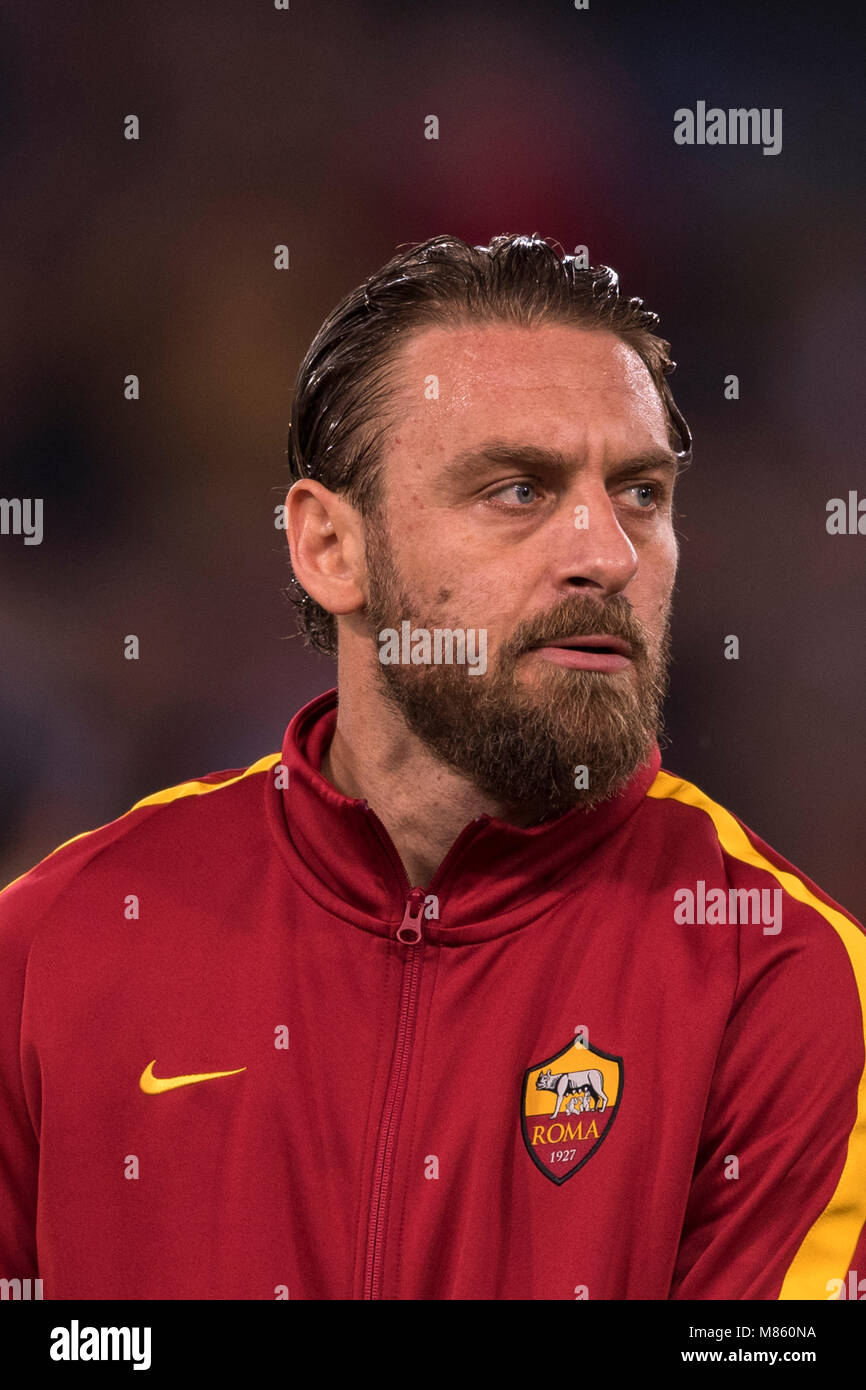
(569, 1104)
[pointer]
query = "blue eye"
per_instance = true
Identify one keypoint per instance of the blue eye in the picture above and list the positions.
(653, 492)
(518, 488)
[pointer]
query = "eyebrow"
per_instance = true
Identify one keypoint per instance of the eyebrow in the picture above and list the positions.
(498, 451)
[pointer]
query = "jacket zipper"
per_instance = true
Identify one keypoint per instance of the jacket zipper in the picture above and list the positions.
(411, 934)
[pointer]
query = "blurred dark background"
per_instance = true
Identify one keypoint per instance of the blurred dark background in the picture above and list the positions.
(306, 127)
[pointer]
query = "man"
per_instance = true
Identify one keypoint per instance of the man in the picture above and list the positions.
(459, 995)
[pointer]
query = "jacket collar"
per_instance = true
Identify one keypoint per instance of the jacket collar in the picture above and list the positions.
(495, 877)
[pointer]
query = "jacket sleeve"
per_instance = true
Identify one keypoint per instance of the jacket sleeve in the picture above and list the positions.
(778, 1197)
(19, 1146)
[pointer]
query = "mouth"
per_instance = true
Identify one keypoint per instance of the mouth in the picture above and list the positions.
(597, 651)
(595, 642)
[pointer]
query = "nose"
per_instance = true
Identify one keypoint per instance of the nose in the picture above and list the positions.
(597, 555)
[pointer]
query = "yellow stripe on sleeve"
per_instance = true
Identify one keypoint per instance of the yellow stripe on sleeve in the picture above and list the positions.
(827, 1248)
(193, 788)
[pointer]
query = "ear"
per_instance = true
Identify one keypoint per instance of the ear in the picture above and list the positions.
(326, 543)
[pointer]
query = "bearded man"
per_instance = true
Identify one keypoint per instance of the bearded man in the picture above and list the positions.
(459, 995)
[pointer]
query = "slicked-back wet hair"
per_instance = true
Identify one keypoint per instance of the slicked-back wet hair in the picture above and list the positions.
(345, 387)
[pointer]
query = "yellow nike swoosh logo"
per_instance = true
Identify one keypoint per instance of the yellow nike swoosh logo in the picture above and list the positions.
(155, 1085)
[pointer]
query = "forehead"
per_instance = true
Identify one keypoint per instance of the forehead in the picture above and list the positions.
(573, 388)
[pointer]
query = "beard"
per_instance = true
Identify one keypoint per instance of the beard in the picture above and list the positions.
(524, 741)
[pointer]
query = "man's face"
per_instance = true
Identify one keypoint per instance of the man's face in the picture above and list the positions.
(531, 499)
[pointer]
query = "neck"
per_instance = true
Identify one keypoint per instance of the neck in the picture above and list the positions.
(423, 803)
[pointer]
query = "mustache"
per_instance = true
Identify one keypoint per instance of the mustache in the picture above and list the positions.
(581, 617)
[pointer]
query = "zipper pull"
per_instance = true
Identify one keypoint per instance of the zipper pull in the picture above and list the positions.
(409, 930)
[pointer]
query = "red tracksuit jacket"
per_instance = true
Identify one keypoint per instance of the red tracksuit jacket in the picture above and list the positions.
(242, 1057)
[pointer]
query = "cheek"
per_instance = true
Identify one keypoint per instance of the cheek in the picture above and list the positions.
(661, 566)
(652, 591)
(455, 594)
(446, 564)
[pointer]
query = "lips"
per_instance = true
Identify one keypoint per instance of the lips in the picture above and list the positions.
(594, 642)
